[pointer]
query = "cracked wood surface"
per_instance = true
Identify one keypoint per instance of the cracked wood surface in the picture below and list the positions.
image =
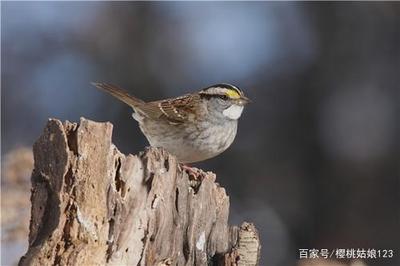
(93, 205)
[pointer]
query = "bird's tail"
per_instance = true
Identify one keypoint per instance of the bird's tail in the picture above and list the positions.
(119, 93)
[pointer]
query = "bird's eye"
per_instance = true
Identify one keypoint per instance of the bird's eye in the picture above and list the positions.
(224, 97)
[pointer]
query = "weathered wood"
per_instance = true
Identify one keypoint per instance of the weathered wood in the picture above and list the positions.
(93, 205)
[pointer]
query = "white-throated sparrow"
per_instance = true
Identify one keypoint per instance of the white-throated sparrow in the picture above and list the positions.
(193, 127)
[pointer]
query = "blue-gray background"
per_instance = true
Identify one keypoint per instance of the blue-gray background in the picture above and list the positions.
(316, 160)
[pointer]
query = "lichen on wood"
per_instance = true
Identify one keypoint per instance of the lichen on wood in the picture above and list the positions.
(93, 205)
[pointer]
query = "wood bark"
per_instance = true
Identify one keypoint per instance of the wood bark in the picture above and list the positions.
(93, 205)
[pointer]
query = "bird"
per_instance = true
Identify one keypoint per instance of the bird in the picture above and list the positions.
(193, 127)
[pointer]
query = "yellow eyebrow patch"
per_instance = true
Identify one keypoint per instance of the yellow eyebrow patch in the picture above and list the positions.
(233, 94)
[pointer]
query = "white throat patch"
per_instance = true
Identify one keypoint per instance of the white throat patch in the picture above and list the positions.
(233, 112)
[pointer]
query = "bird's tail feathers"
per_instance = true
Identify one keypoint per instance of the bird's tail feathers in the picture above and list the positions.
(119, 93)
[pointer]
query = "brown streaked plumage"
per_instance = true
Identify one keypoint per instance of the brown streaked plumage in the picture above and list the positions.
(175, 110)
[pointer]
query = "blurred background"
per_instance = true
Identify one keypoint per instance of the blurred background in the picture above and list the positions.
(315, 163)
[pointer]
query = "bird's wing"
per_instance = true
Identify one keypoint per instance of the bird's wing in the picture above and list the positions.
(174, 110)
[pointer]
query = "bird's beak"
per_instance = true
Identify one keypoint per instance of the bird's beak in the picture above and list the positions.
(243, 100)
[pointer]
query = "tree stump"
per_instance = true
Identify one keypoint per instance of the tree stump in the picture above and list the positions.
(93, 205)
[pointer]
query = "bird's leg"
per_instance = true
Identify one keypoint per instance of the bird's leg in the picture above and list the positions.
(195, 176)
(191, 171)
